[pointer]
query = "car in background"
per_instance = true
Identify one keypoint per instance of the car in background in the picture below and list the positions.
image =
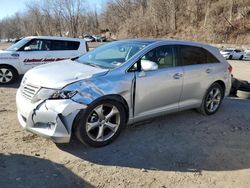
(232, 53)
(88, 38)
(99, 38)
(246, 54)
(121, 83)
(18, 39)
(32, 51)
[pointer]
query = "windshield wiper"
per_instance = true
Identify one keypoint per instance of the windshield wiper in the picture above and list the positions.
(92, 64)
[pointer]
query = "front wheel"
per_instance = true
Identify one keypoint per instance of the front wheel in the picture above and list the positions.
(7, 74)
(212, 100)
(100, 123)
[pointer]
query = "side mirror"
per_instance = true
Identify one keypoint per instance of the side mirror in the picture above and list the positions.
(147, 65)
(27, 48)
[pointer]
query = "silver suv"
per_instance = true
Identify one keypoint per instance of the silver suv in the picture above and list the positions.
(121, 83)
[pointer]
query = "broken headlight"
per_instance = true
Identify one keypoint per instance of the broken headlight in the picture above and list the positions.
(45, 93)
(63, 94)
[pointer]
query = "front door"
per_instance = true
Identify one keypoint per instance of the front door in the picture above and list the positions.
(34, 53)
(158, 91)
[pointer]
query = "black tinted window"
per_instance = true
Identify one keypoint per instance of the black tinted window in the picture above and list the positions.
(64, 45)
(191, 55)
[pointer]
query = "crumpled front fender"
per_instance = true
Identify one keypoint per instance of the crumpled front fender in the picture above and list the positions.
(92, 89)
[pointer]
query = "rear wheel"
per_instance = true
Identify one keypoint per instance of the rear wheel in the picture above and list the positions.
(230, 57)
(241, 57)
(100, 123)
(212, 100)
(7, 74)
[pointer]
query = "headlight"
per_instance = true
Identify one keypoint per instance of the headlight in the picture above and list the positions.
(63, 94)
(45, 93)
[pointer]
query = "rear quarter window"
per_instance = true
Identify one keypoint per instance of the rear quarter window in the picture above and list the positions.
(211, 58)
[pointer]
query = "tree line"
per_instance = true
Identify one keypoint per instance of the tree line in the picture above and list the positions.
(214, 21)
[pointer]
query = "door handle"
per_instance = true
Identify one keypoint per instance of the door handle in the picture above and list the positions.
(208, 70)
(177, 75)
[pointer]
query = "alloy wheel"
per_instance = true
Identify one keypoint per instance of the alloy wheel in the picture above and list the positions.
(5, 75)
(103, 122)
(213, 100)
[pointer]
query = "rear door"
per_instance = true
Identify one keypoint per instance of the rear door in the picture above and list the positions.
(158, 91)
(65, 49)
(200, 70)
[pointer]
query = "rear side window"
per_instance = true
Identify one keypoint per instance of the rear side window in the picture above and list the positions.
(37, 45)
(64, 45)
(191, 55)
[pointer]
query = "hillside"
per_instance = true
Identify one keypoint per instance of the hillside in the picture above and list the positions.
(212, 21)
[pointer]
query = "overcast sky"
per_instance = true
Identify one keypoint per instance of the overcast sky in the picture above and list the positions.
(10, 7)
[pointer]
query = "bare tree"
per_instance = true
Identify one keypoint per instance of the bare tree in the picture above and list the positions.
(210, 20)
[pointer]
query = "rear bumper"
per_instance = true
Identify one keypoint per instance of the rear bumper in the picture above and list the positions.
(51, 119)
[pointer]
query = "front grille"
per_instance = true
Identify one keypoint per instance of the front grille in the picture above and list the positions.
(28, 90)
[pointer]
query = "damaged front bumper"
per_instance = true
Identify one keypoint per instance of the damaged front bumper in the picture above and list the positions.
(52, 119)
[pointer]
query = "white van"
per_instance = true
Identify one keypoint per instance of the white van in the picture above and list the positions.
(36, 50)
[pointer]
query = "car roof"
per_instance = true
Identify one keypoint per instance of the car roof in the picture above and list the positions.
(53, 38)
(174, 42)
(230, 49)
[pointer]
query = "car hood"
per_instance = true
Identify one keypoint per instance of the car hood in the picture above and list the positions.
(7, 54)
(59, 74)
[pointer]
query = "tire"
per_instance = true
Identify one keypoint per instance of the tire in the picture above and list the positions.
(241, 57)
(7, 74)
(94, 120)
(211, 102)
(230, 57)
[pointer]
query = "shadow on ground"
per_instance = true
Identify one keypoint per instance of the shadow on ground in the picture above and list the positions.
(27, 171)
(185, 141)
(15, 84)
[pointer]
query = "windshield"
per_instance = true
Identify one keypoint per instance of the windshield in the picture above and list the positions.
(112, 55)
(18, 45)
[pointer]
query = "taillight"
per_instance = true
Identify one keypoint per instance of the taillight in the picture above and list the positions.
(230, 69)
(87, 46)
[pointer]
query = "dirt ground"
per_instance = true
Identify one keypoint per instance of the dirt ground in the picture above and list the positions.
(182, 150)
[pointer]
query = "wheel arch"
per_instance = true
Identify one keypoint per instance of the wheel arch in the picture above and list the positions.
(8, 65)
(118, 98)
(114, 97)
(222, 84)
(76, 130)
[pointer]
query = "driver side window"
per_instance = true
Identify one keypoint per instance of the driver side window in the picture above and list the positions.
(33, 45)
(163, 56)
(37, 45)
